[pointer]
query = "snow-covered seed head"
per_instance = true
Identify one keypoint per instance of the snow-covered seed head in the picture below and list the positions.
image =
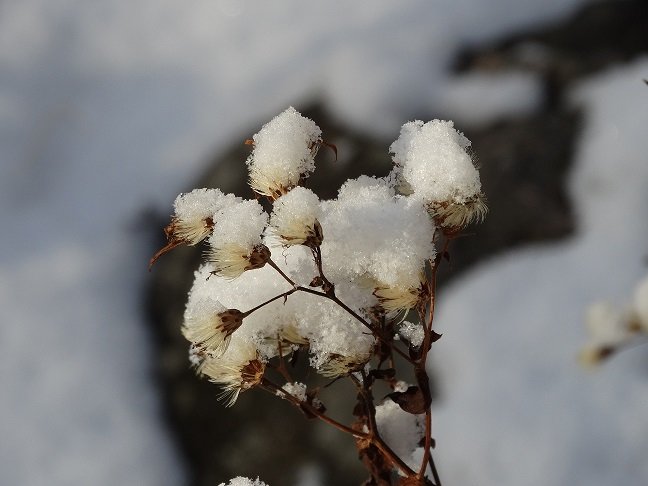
(193, 218)
(235, 371)
(433, 161)
(295, 218)
(209, 326)
(337, 365)
(397, 299)
(283, 154)
(236, 243)
(230, 261)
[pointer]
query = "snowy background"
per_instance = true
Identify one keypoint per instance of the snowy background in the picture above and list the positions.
(110, 108)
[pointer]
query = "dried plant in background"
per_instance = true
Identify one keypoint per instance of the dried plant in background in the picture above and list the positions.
(331, 281)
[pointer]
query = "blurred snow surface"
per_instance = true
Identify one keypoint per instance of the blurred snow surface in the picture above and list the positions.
(107, 107)
(516, 409)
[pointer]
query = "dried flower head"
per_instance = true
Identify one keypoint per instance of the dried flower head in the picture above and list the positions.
(433, 161)
(338, 365)
(209, 326)
(453, 216)
(239, 369)
(193, 218)
(295, 218)
(236, 244)
(230, 261)
(283, 154)
(398, 298)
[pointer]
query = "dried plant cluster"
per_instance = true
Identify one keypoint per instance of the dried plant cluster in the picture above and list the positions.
(331, 281)
(612, 329)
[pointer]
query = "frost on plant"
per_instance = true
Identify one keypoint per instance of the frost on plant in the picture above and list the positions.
(330, 281)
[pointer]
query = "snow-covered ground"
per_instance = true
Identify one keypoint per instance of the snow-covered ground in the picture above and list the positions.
(517, 409)
(108, 107)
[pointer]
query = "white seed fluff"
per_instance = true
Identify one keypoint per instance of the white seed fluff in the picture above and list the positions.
(284, 151)
(435, 163)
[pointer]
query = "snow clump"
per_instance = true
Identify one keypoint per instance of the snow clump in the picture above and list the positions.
(284, 152)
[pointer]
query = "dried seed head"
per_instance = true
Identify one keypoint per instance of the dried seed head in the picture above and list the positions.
(283, 154)
(397, 299)
(453, 216)
(209, 328)
(236, 371)
(193, 220)
(338, 365)
(231, 260)
(295, 218)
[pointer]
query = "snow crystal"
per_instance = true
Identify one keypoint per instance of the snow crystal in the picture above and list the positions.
(296, 389)
(401, 430)
(435, 162)
(283, 152)
(242, 481)
(414, 333)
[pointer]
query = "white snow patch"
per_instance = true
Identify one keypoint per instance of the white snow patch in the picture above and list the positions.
(516, 406)
(476, 99)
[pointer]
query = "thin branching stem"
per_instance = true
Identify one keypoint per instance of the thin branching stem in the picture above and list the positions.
(272, 388)
(420, 365)
(374, 435)
(331, 295)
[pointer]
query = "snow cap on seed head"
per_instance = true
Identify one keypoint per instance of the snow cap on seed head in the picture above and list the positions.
(236, 243)
(295, 218)
(433, 162)
(378, 239)
(284, 152)
(193, 218)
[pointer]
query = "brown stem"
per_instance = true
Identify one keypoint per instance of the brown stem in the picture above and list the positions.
(374, 435)
(270, 387)
(276, 267)
(284, 295)
(331, 295)
(421, 372)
